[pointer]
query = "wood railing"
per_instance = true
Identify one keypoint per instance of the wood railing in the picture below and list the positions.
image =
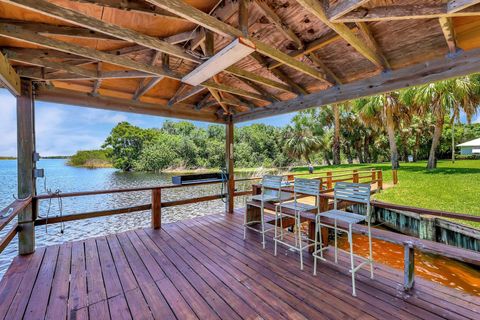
(8, 214)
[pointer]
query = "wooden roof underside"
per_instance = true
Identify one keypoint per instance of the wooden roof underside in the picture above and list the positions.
(130, 55)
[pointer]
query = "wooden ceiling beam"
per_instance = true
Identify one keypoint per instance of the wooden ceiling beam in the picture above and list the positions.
(458, 5)
(316, 60)
(449, 33)
(251, 76)
(405, 12)
(271, 15)
(316, 8)
(132, 6)
(280, 75)
(243, 6)
(259, 89)
(372, 43)
(36, 73)
(343, 7)
(98, 82)
(182, 97)
(16, 32)
(75, 98)
(451, 66)
(146, 84)
(8, 76)
(311, 47)
(77, 18)
(182, 9)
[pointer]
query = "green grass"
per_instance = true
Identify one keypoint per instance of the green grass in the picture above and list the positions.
(451, 187)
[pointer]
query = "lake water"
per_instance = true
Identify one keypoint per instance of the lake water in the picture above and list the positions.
(65, 178)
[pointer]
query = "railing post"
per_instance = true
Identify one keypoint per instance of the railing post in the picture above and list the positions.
(395, 176)
(329, 180)
(156, 208)
(355, 176)
(380, 180)
(408, 266)
(26, 166)
(229, 164)
(374, 175)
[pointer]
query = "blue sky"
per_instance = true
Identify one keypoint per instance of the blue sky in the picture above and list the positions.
(64, 129)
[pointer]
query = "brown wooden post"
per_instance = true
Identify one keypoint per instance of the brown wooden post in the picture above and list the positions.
(355, 176)
(329, 180)
(229, 163)
(408, 266)
(374, 175)
(380, 180)
(156, 208)
(26, 166)
(395, 176)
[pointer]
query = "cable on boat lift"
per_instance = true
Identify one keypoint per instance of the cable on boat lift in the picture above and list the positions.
(56, 193)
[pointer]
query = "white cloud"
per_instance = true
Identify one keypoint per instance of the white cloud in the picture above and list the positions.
(8, 124)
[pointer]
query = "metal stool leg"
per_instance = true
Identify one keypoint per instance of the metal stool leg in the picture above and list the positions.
(317, 225)
(245, 222)
(276, 226)
(352, 265)
(370, 257)
(263, 227)
(300, 239)
(336, 248)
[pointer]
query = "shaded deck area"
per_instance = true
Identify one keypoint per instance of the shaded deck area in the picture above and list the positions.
(203, 269)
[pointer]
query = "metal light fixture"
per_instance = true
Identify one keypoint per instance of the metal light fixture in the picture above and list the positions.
(231, 54)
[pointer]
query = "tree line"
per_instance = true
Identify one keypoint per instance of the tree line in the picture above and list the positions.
(423, 122)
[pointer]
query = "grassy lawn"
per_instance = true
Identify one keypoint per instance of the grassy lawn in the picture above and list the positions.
(451, 187)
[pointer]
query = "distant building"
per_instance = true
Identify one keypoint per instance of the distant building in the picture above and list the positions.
(470, 147)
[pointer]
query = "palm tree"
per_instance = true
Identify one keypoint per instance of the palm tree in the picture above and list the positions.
(440, 99)
(382, 111)
(300, 142)
(336, 134)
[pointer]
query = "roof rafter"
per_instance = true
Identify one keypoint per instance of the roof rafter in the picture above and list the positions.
(370, 39)
(461, 64)
(277, 21)
(316, 8)
(37, 74)
(403, 12)
(199, 17)
(77, 18)
(8, 76)
(145, 85)
(132, 6)
(343, 7)
(458, 5)
(18, 33)
(449, 33)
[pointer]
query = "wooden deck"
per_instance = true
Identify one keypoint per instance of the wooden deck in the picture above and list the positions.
(203, 269)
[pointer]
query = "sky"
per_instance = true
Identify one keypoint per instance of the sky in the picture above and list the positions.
(64, 129)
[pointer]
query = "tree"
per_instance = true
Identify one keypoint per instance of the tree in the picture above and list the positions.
(300, 142)
(126, 142)
(382, 111)
(440, 99)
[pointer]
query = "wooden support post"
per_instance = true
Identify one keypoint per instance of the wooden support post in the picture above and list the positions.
(408, 267)
(329, 180)
(374, 175)
(229, 163)
(156, 208)
(380, 180)
(355, 176)
(395, 176)
(26, 166)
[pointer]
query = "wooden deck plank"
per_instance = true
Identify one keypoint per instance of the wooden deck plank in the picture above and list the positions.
(268, 267)
(292, 298)
(11, 281)
(194, 299)
(78, 283)
(214, 300)
(118, 308)
(339, 280)
(37, 305)
(155, 300)
(242, 308)
(95, 284)
(202, 268)
(113, 287)
(57, 306)
(392, 288)
(19, 302)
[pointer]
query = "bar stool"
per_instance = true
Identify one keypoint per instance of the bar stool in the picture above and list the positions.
(354, 192)
(271, 192)
(309, 187)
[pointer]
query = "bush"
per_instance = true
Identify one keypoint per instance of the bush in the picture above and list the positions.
(91, 159)
(467, 157)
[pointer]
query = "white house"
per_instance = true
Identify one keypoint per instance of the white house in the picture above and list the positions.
(470, 147)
